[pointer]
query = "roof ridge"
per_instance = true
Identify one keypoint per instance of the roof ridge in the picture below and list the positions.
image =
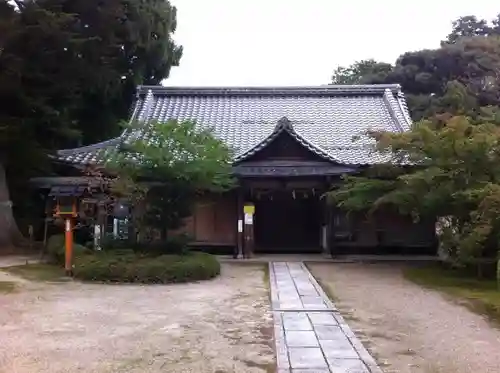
(147, 106)
(390, 102)
(327, 89)
(403, 105)
(86, 148)
(359, 146)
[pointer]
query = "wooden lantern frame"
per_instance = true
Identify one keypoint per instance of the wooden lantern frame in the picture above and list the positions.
(65, 212)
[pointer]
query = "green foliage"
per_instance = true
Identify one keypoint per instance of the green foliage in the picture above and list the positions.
(177, 161)
(7, 287)
(68, 73)
(56, 249)
(177, 245)
(457, 78)
(454, 176)
(178, 150)
(469, 26)
(38, 272)
(361, 72)
(453, 153)
(122, 266)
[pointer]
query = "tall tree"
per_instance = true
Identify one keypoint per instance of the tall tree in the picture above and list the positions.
(183, 159)
(35, 104)
(426, 75)
(361, 72)
(454, 176)
(126, 43)
(68, 70)
(468, 26)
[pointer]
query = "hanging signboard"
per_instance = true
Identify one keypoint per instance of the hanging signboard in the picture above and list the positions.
(249, 209)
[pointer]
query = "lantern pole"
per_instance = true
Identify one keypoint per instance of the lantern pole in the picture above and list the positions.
(68, 253)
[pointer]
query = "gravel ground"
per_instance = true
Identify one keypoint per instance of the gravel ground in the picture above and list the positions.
(410, 329)
(218, 326)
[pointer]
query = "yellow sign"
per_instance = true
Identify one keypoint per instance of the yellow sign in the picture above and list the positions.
(249, 209)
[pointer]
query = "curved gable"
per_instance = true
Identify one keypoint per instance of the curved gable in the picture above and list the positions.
(285, 143)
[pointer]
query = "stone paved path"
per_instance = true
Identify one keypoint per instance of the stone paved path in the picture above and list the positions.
(311, 336)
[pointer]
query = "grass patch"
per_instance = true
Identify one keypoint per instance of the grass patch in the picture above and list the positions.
(37, 272)
(327, 288)
(480, 296)
(265, 268)
(266, 278)
(7, 287)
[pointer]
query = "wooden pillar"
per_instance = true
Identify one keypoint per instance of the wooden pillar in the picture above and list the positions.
(325, 221)
(248, 246)
(329, 221)
(248, 230)
(239, 205)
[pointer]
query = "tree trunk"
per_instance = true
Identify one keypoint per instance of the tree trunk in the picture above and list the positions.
(9, 232)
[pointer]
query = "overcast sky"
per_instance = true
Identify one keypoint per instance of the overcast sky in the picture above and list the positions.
(292, 42)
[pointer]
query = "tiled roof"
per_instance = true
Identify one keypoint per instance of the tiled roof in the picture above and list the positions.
(325, 118)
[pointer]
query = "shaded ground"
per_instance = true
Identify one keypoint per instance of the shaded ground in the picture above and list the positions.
(218, 326)
(408, 328)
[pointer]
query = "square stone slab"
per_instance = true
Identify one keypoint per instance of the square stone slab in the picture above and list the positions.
(308, 292)
(286, 295)
(294, 316)
(287, 286)
(347, 366)
(297, 324)
(291, 306)
(322, 318)
(290, 300)
(303, 358)
(301, 339)
(329, 332)
(316, 300)
(339, 348)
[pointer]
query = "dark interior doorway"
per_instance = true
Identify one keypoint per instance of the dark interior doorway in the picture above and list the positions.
(287, 224)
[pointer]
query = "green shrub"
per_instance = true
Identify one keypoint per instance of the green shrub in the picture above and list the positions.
(132, 267)
(173, 245)
(56, 249)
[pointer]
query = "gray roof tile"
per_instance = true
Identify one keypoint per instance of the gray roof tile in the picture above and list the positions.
(323, 118)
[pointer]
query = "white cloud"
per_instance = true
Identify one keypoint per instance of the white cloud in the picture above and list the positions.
(291, 42)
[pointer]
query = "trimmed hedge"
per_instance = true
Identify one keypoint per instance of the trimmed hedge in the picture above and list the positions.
(131, 267)
(177, 245)
(56, 249)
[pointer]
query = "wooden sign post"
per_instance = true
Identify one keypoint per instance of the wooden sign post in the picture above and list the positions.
(248, 230)
(66, 209)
